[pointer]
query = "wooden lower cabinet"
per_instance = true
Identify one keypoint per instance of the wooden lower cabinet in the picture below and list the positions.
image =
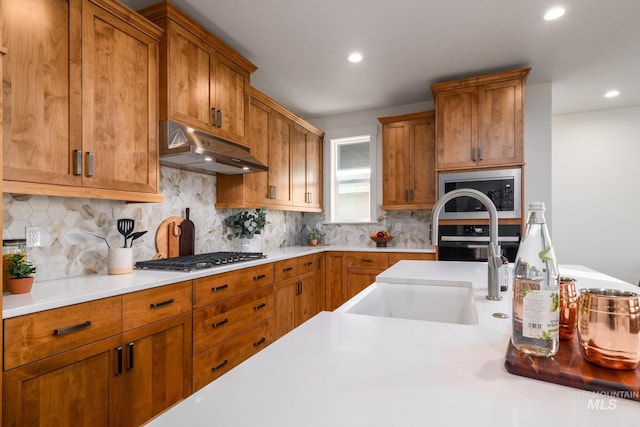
(79, 387)
(157, 368)
(348, 273)
(295, 302)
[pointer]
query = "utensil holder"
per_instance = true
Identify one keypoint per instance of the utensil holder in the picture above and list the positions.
(120, 261)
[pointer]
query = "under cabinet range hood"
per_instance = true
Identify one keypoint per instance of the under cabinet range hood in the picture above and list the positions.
(183, 147)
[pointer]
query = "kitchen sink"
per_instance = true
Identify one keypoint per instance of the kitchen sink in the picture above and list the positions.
(445, 302)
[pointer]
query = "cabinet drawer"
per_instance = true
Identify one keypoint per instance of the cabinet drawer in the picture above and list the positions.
(367, 260)
(148, 306)
(213, 363)
(222, 286)
(218, 322)
(285, 269)
(307, 264)
(38, 335)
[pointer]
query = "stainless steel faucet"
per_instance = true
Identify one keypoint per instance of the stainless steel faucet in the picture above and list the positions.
(494, 260)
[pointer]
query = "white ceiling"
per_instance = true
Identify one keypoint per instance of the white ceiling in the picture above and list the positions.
(300, 48)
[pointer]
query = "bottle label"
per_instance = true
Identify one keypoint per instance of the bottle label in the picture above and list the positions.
(540, 315)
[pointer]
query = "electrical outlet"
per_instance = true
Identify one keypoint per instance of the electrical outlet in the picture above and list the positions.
(397, 227)
(33, 237)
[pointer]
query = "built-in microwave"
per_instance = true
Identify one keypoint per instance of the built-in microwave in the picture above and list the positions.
(502, 186)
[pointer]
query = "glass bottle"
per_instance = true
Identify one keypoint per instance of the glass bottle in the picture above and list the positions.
(536, 289)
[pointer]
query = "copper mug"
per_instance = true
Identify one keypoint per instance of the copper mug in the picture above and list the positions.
(568, 308)
(609, 328)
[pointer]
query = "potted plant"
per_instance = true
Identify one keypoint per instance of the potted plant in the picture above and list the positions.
(20, 273)
(313, 237)
(246, 225)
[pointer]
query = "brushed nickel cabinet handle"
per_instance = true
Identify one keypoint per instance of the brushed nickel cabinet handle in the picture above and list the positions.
(89, 164)
(219, 118)
(481, 153)
(473, 154)
(163, 303)
(214, 117)
(78, 162)
(272, 192)
(73, 328)
(215, 368)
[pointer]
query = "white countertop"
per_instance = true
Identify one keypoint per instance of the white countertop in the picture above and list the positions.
(51, 294)
(340, 369)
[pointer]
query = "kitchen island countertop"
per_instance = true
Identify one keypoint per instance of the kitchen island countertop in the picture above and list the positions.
(341, 369)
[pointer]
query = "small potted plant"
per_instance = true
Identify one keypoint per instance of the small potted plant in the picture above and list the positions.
(20, 273)
(248, 226)
(313, 237)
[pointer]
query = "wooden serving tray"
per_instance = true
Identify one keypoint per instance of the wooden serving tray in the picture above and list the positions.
(570, 369)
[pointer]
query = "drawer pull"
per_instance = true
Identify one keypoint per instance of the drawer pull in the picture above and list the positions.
(258, 307)
(307, 264)
(215, 368)
(259, 342)
(220, 323)
(366, 260)
(262, 276)
(119, 361)
(163, 303)
(219, 288)
(287, 269)
(72, 328)
(130, 345)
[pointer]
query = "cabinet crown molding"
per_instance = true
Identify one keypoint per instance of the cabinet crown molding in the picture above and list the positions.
(480, 80)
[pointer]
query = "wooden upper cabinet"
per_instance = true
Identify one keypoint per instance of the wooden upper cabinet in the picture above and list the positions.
(80, 108)
(480, 121)
(119, 103)
(408, 161)
(203, 82)
(292, 148)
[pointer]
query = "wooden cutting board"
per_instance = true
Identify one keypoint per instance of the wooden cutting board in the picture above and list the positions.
(569, 368)
(168, 237)
(187, 236)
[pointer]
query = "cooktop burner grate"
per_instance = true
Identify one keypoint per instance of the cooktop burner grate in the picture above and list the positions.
(200, 261)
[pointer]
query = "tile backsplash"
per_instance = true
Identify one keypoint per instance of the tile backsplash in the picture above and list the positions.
(67, 251)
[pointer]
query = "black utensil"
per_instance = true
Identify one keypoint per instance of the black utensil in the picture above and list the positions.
(135, 236)
(125, 227)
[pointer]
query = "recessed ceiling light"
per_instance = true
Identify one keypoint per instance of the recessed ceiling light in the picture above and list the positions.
(554, 13)
(355, 57)
(612, 94)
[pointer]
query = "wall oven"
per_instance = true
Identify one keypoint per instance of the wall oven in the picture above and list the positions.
(471, 242)
(502, 186)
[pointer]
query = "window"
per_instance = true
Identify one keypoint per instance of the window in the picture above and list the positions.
(352, 199)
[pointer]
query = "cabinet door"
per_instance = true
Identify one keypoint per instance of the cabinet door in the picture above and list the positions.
(279, 173)
(360, 278)
(41, 91)
(285, 310)
(314, 171)
(157, 368)
(305, 298)
(231, 100)
(119, 80)
(336, 279)
(79, 387)
(422, 135)
(189, 78)
(396, 158)
(298, 156)
(256, 183)
(501, 128)
(457, 134)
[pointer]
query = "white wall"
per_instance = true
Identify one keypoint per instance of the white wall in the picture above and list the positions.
(537, 149)
(596, 197)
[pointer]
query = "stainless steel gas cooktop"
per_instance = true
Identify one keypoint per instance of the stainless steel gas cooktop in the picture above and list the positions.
(200, 261)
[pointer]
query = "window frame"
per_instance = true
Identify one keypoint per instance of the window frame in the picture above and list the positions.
(330, 165)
